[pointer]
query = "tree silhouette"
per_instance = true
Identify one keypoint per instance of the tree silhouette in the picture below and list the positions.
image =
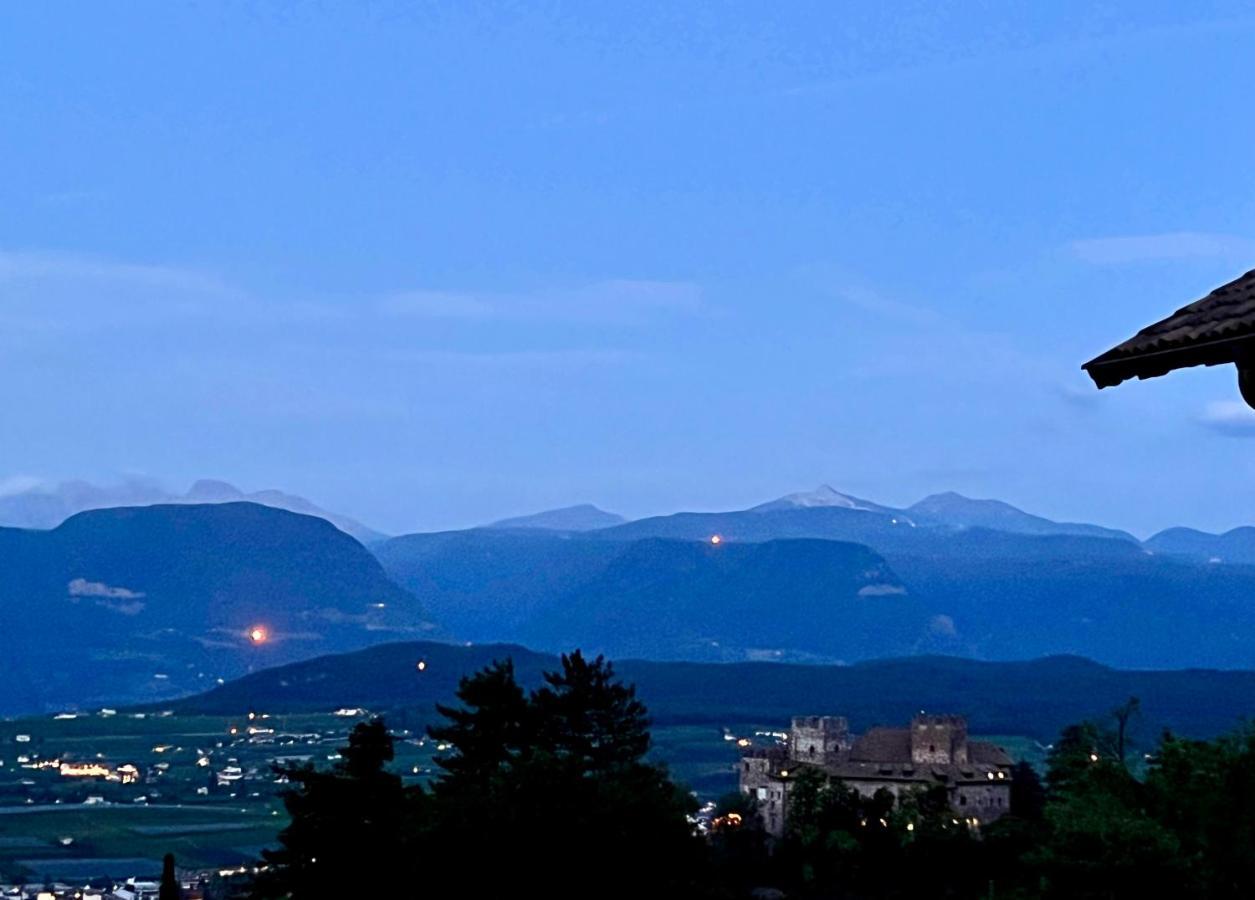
(555, 789)
(169, 889)
(1122, 714)
(346, 830)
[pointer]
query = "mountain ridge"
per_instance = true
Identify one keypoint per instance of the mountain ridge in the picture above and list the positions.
(1034, 697)
(45, 506)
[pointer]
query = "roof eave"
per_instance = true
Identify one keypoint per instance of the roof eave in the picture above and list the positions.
(1109, 369)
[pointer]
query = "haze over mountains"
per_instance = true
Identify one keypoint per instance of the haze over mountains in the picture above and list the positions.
(153, 601)
(48, 505)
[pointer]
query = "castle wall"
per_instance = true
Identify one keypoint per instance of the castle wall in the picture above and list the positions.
(816, 739)
(939, 740)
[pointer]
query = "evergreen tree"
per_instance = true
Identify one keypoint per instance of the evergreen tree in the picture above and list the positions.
(589, 718)
(491, 728)
(554, 789)
(169, 889)
(347, 824)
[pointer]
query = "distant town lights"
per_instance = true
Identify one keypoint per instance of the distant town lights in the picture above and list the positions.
(258, 634)
(716, 539)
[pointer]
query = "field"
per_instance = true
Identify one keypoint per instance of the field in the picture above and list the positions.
(98, 794)
(109, 793)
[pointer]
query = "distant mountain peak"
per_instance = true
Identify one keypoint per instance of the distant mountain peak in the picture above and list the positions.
(954, 502)
(213, 490)
(581, 517)
(45, 506)
(956, 510)
(823, 496)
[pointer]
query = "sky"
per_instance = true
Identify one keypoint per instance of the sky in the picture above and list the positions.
(432, 265)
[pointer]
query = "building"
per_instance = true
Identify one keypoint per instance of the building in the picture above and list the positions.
(1216, 330)
(934, 750)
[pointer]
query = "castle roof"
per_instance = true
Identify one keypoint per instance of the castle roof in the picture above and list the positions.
(882, 745)
(985, 753)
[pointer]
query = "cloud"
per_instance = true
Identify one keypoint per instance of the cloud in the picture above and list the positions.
(538, 360)
(1232, 418)
(1174, 245)
(890, 308)
(42, 266)
(881, 590)
(942, 625)
(437, 305)
(81, 587)
(19, 484)
(613, 301)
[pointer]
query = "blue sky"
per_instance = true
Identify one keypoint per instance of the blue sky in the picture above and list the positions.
(433, 265)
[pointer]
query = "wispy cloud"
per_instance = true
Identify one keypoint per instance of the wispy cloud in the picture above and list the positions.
(1232, 418)
(19, 484)
(81, 587)
(437, 305)
(890, 308)
(1175, 245)
(614, 301)
(34, 265)
(575, 358)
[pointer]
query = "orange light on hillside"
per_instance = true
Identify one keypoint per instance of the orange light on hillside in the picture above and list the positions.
(258, 634)
(716, 539)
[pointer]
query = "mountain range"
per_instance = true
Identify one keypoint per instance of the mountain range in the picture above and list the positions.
(160, 600)
(1036, 698)
(974, 577)
(48, 505)
(156, 600)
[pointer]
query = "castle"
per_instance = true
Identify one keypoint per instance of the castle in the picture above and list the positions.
(934, 750)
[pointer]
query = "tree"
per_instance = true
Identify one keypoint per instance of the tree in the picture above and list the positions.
(347, 824)
(1028, 794)
(169, 889)
(555, 789)
(589, 718)
(1203, 791)
(738, 843)
(491, 728)
(1122, 714)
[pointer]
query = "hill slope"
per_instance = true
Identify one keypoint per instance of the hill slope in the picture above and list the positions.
(152, 601)
(584, 517)
(798, 599)
(974, 591)
(1035, 698)
(963, 512)
(663, 599)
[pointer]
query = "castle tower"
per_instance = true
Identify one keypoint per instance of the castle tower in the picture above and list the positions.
(939, 740)
(818, 739)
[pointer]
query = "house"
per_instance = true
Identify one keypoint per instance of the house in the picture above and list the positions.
(1218, 329)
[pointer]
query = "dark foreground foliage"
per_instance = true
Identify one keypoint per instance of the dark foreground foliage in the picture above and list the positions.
(548, 793)
(542, 794)
(1182, 827)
